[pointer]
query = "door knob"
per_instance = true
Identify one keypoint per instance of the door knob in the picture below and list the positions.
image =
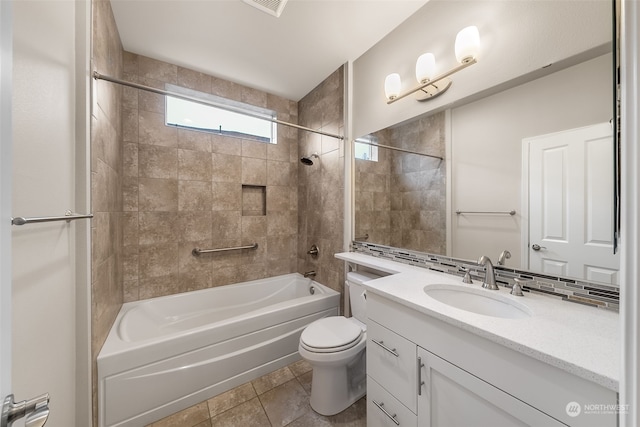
(37, 418)
(537, 247)
(36, 410)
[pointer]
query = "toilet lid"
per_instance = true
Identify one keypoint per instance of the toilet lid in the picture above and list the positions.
(331, 334)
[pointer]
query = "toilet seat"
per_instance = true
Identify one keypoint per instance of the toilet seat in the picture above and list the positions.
(331, 335)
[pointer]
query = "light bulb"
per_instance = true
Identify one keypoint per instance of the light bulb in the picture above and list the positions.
(392, 86)
(425, 67)
(467, 44)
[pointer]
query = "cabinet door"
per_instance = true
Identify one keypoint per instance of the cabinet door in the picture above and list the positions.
(391, 360)
(451, 397)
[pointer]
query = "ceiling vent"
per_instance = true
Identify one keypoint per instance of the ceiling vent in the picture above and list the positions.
(272, 7)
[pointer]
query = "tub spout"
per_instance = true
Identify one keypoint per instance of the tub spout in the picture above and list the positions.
(311, 273)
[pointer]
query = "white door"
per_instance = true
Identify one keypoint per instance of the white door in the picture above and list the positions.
(42, 156)
(571, 204)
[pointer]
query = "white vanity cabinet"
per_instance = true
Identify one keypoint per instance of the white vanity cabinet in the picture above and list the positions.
(452, 397)
(428, 373)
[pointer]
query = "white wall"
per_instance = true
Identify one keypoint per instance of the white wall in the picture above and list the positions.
(518, 39)
(44, 183)
(486, 139)
(6, 68)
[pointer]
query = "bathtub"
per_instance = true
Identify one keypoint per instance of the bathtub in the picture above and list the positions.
(165, 354)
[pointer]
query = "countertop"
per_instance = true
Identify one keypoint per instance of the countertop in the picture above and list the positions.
(581, 340)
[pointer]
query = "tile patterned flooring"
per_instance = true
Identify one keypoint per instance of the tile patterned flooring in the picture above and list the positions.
(280, 398)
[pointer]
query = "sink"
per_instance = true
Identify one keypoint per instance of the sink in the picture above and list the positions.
(479, 301)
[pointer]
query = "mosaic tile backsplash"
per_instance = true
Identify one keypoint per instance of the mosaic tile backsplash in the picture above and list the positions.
(573, 290)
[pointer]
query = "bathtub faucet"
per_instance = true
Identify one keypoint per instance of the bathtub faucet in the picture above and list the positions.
(311, 273)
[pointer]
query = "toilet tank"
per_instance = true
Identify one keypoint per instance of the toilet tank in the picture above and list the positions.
(357, 299)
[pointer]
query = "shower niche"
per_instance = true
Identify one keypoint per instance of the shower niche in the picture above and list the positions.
(254, 200)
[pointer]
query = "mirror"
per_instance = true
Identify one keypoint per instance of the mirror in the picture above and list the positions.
(487, 170)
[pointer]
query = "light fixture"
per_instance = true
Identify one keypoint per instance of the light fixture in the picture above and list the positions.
(392, 86)
(467, 47)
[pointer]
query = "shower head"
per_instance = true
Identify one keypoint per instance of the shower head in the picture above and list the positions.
(307, 159)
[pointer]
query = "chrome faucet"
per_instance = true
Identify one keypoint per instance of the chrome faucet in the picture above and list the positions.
(489, 276)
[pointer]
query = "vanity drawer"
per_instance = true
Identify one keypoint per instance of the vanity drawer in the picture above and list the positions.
(383, 410)
(392, 362)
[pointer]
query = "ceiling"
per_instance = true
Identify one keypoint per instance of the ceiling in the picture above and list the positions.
(286, 56)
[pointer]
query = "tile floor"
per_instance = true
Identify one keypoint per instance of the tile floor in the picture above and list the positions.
(280, 398)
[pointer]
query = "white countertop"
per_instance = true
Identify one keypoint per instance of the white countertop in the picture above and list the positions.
(581, 340)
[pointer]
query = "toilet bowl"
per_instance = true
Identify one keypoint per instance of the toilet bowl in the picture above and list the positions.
(335, 348)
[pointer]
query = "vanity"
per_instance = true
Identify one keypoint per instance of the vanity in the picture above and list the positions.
(434, 360)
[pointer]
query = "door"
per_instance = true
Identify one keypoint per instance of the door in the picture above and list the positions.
(43, 154)
(452, 397)
(571, 204)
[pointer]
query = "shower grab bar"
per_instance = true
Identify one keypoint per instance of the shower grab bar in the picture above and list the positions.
(365, 237)
(68, 216)
(198, 251)
(512, 213)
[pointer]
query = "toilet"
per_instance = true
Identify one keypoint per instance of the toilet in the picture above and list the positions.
(335, 348)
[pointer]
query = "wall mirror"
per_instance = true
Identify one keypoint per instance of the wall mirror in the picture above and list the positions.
(526, 173)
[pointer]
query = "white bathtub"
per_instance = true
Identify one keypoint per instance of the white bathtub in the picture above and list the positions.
(165, 354)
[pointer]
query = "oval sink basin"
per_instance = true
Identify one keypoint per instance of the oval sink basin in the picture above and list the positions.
(479, 301)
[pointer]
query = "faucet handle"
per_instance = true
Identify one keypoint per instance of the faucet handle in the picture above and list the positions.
(467, 276)
(517, 286)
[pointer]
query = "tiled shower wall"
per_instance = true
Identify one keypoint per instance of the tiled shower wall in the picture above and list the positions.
(185, 189)
(321, 186)
(418, 190)
(400, 199)
(106, 182)
(373, 193)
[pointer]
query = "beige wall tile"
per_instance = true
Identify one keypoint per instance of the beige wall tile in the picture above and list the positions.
(226, 225)
(158, 194)
(254, 227)
(278, 198)
(157, 227)
(194, 226)
(194, 196)
(130, 124)
(194, 80)
(227, 196)
(194, 165)
(130, 159)
(157, 70)
(254, 171)
(279, 173)
(254, 149)
(158, 260)
(152, 130)
(226, 168)
(157, 162)
(226, 89)
(226, 145)
(281, 151)
(194, 140)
